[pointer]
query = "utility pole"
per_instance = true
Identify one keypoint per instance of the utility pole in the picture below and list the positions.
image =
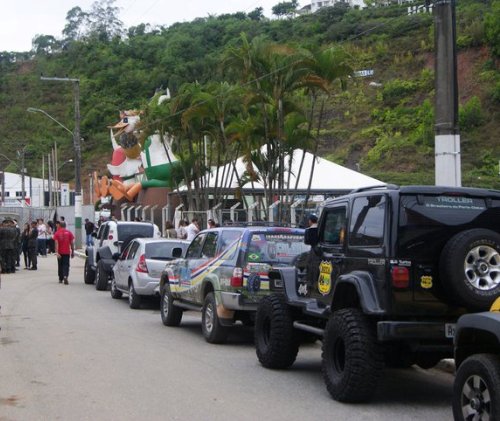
(447, 137)
(23, 186)
(78, 155)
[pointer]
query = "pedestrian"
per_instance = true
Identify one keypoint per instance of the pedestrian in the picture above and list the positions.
(181, 230)
(3, 239)
(42, 238)
(192, 229)
(312, 221)
(33, 246)
(25, 235)
(50, 240)
(18, 243)
(65, 249)
(211, 223)
(89, 230)
(170, 231)
(10, 245)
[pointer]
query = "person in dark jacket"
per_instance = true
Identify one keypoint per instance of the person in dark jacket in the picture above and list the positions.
(32, 246)
(25, 235)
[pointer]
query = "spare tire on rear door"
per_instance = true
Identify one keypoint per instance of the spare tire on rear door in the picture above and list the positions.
(470, 268)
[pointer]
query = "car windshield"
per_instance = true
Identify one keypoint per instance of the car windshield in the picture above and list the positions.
(275, 247)
(161, 250)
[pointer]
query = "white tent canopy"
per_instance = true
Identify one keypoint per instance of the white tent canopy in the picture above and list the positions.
(328, 176)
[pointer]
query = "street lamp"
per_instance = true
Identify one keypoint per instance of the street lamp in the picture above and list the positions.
(76, 145)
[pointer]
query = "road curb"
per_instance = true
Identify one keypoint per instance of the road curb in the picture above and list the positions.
(80, 253)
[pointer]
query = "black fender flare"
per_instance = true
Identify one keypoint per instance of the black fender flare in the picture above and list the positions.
(105, 253)
(364, 285)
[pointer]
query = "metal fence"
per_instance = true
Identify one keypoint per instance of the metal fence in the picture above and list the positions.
(26, 214)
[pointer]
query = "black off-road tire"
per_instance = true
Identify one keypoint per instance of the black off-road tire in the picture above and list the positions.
(470, 268)
(134, 299)
(170, 315)
(352, 360)
(276, 341)
(88, 273)
(477, 388)
(213, 331)
(102, 277)
(115, 293)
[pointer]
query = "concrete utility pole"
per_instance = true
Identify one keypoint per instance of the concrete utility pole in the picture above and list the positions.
(78, 155)
(447, 137)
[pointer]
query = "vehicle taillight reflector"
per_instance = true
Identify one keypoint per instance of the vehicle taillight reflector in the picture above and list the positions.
(110, 236)
(400, 277)
(237, 278)
(141, 264)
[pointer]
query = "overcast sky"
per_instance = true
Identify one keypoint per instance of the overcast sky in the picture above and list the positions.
(22, 20)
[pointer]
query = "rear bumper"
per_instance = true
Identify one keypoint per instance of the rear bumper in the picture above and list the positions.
(235, 301)
(400, 330)
(145, 285)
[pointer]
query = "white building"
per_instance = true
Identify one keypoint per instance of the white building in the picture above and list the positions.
(12, 188)
(318, 4)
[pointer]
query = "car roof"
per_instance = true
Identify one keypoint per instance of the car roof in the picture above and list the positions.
(161, 240)
(420, 189)
(258, 228)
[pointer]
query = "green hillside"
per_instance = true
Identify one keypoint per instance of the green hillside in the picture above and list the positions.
(246, 80)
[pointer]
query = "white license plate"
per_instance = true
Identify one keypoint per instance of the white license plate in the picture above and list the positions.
(449, 330)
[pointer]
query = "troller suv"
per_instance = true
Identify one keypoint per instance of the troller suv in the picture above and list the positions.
(225, 275)
(389, 272)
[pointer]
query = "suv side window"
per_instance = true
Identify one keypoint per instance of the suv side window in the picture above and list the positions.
(228, 239)
(210, 246)
(333, 230)
(367, 221)
(194, 250)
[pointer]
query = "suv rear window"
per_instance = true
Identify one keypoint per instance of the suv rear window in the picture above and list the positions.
(127, 232)
(275, 248)
(439, 210)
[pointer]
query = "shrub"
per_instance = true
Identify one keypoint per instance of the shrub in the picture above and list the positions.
(470, 115)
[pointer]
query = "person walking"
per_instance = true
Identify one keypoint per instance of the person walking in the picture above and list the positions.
(89, 230)
(25, 235)
(65, 248)
(181, 231)
(33, 246)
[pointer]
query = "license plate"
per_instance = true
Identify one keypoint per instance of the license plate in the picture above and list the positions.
(449, 330)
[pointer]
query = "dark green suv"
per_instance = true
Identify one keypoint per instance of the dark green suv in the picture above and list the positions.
(390, 271)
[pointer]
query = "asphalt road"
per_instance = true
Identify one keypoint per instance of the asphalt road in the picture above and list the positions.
(73, 353)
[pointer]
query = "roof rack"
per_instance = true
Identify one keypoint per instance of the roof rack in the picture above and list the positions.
(378, 186)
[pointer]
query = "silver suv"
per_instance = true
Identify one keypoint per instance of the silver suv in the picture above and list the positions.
(111, 238)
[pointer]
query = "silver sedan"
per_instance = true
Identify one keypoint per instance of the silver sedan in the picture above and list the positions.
(139, 267)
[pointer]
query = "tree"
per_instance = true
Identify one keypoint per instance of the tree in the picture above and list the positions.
(45, 44)
(492, 28)
(76, 20)
(285, 8)
(256, 14)
(104, 21)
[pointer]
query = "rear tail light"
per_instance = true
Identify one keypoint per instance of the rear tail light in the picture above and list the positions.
(110, 236)
(142, 267)
(400, 277)
(237, 278)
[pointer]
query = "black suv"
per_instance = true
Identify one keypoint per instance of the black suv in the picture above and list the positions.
(389, 272)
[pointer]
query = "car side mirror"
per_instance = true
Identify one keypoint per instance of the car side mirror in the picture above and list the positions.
(311, 236)
(116, 256)
(176, 252)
